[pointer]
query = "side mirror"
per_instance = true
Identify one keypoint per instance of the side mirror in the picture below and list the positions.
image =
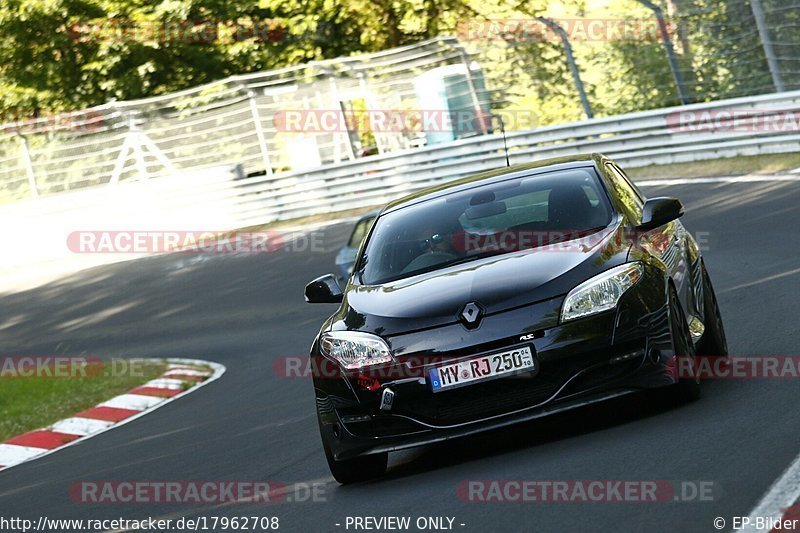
(324, 290)
(659, 211)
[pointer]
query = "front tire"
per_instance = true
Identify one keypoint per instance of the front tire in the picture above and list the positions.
(357, 469)
(688, 388)
(713, 343)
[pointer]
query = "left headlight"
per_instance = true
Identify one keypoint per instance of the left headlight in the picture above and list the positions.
(354, 349)
(601, 292)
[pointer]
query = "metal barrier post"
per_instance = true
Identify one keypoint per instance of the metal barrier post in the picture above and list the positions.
(671, 58)
(28, 162)
(262, 140)
(766, 43)
(573, 66)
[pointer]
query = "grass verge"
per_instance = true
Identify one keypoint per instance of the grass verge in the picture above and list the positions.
(32, 403)
(731, 166)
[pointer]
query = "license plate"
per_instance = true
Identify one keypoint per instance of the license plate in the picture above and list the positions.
(482, 369)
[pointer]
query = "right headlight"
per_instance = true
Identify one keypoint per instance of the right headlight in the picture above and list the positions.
(601, 292)
(354, 349)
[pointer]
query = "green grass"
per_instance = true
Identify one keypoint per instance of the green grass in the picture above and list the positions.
(27, 404)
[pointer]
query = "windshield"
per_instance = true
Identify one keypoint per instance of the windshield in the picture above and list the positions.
(488, 220)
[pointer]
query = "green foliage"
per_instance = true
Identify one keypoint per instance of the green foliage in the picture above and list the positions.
(69, 54)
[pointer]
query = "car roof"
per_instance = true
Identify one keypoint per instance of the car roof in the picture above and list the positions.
(495, 175)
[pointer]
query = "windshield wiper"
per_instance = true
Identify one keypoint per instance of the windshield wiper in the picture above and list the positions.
(468, 258)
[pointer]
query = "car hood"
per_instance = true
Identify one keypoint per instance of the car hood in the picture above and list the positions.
(497, 284)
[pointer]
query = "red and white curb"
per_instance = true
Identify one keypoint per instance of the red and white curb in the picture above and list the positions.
(182, 377)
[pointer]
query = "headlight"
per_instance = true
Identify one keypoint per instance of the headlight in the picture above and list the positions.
(354, 350)
(601, 292)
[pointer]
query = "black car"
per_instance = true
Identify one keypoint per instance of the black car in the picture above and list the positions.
(504, 297)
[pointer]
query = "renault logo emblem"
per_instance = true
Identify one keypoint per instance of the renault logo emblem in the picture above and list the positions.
(471, 314)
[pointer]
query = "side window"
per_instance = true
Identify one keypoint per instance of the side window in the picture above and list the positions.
(630, 197)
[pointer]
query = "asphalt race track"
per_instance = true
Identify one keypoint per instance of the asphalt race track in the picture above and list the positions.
(244, 311)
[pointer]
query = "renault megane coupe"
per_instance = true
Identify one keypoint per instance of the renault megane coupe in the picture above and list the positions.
(504, 297)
